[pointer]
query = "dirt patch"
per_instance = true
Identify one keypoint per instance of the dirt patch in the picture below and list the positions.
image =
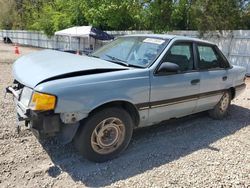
(7, 52)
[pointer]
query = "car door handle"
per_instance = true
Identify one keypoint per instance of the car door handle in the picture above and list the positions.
(194, 82)
(224, 78)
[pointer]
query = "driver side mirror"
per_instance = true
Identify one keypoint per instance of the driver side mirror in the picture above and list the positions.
(168, 67)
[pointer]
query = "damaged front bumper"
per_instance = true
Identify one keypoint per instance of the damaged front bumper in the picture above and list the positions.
(43, 124)
(23, 112)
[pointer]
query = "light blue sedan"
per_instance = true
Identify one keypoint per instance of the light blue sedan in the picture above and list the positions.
(135, 81)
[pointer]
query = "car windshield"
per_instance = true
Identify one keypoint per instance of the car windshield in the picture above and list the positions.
(132, 51)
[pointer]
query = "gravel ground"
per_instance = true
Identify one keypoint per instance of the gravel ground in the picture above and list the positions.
(7, 52)
(194, 151)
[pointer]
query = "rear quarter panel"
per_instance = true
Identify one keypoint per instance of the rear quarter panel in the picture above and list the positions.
(239, 74)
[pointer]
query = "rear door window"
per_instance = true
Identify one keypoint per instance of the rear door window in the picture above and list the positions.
(208, 57)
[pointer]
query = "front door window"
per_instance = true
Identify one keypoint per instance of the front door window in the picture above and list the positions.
(180, 54)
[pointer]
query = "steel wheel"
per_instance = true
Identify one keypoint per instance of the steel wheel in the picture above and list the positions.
(225, 100)
(221, 109)
(108, 135)
(104, 134)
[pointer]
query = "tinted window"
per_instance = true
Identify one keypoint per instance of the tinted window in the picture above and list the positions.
(180, 54)
(207, 57)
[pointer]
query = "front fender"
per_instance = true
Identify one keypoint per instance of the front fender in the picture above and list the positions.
(85, 93)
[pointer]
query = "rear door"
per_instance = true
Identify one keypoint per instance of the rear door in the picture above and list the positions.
(175, 95)
(214, 77)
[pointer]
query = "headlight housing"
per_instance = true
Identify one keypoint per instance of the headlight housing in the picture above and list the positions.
(42, 102)
(26, 96)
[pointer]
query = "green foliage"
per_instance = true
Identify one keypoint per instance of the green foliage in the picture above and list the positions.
(112, 14)
(57, 15)
(157, 15)
(245, 21)
(7, 14)
(216, 14)
(181, 14)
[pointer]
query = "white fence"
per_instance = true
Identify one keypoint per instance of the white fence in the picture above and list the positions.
(39, 39)
(234, 44)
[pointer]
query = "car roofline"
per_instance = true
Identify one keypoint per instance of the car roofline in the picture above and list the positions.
(170, 37)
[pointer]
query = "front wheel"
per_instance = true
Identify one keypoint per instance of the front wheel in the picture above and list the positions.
(105, 134)
(221, 109)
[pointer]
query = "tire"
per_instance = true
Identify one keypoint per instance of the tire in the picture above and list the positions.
(221, 109)
(104, 135)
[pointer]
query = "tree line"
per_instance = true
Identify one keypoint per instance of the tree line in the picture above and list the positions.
(158, 15)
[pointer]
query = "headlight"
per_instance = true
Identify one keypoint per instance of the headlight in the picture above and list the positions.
(26, 96)
(41, 101)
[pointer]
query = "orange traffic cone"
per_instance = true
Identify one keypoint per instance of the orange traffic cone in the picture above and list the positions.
(17, 50)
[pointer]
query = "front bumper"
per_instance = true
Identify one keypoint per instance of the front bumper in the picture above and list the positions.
(23, 112)
(42, 124)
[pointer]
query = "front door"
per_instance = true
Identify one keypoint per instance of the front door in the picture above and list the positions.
(175, 95)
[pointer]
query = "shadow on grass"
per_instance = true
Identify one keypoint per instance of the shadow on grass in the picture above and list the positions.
(150, 147)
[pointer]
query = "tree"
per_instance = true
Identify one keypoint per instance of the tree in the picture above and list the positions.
(7, 14)
(215, 15)
(58, 14)
(157, 15)
(112, 14)
(180, 18)
(245, 14)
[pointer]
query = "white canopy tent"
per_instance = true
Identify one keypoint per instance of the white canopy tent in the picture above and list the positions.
(77, 32)
(85, 35)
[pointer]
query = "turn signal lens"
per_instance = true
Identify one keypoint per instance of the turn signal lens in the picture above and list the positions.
(41, 101)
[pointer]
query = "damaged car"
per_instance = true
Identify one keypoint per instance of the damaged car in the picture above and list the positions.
(97, 101)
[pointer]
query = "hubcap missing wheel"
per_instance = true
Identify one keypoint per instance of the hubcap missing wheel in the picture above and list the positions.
(108, 135)
(224, 102)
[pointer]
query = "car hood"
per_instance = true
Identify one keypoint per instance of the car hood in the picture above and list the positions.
(45, 65)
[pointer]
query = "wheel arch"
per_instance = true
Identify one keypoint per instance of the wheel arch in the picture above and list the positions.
(128, 106)
(232, 90)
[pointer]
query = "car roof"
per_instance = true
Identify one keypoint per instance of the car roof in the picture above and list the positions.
(169, 37)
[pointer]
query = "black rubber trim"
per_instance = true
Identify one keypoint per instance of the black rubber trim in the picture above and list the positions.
(155, 104)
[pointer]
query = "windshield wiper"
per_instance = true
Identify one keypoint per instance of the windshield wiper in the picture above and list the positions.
(117, 60)
(90, 55)
(136, 66)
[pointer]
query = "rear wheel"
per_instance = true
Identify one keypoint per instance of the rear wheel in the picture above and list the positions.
(221, 109)
(105, 134)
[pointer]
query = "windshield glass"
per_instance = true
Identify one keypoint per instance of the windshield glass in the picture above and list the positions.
(132, 51)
